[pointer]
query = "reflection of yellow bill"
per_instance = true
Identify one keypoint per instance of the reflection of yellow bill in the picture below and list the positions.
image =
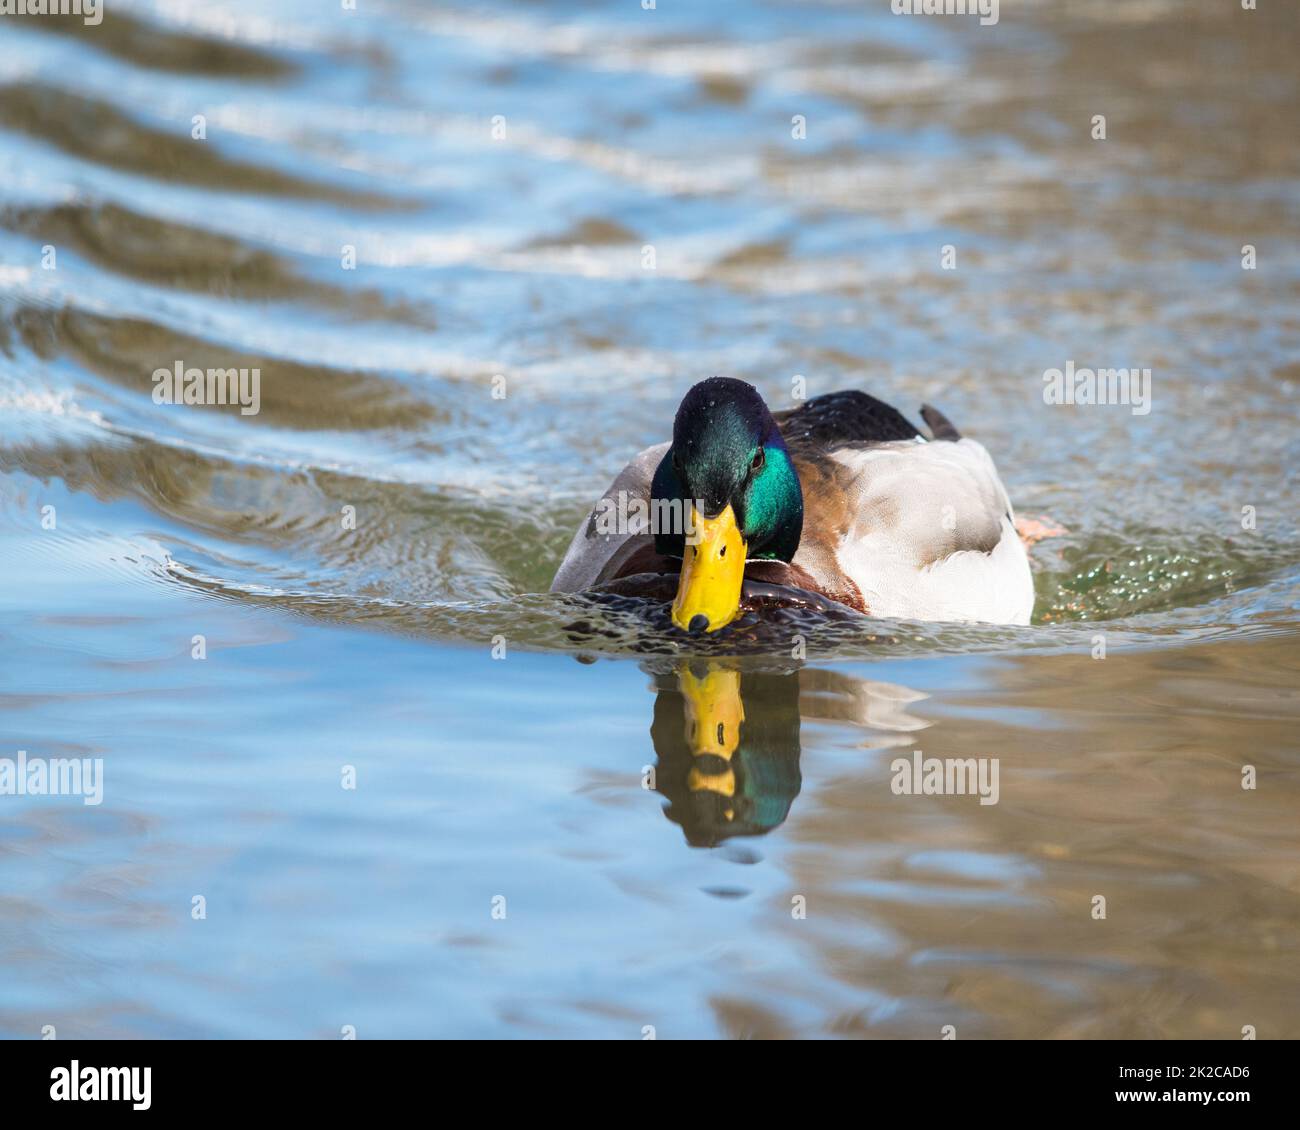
(714, 711)
(713, 571)
(724, 783)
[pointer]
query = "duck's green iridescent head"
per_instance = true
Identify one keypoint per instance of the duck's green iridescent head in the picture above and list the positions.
(730, 473)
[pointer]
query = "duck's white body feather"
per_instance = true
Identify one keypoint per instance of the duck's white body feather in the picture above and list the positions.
(934, 535)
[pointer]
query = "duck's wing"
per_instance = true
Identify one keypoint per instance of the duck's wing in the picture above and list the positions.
(595, 555)
(929, 532)
(900, 525)
(841, 417)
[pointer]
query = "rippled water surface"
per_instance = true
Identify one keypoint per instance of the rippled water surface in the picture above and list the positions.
(588, 207)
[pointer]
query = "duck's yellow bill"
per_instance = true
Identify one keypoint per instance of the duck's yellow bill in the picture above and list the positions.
(713, 571)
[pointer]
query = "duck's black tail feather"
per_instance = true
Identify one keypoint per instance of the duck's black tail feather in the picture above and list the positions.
(939, 424)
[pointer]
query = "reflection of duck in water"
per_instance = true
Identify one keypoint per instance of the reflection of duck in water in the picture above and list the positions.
(728, 739)
(728, 765)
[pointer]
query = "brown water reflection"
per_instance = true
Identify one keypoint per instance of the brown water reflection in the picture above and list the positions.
(1120, 778)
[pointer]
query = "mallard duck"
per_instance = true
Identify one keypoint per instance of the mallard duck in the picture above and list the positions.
(840, 498)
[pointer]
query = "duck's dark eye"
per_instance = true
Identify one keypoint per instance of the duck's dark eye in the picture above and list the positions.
(760, 457)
